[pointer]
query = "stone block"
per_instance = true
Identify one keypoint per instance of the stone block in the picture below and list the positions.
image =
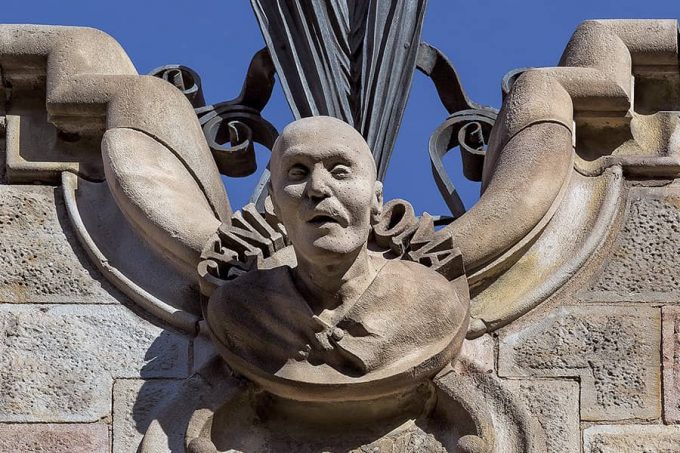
(613, 350)
(671, 364)
(643, 265)
(58, 362)
(555, 404)
(40, 260)
(3, 150)
(631, 438)
(135, 405)
(54, 438)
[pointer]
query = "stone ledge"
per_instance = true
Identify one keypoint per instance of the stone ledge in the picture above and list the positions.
(630, 438)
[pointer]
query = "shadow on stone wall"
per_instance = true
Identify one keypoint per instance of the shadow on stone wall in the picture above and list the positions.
(163, 408)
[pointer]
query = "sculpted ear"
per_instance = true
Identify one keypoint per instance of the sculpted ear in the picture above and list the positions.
(377, 203)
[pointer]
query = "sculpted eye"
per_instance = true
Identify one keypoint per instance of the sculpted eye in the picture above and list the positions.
(297, 172)
(340, 171)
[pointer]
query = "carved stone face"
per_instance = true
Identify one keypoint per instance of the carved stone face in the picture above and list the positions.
(324, 188)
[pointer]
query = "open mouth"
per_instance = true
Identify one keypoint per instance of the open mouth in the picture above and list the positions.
(321, 219)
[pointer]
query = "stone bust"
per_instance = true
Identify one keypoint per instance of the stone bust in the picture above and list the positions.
(345, 322)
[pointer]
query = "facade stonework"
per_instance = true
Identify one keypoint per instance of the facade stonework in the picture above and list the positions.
(139, 313)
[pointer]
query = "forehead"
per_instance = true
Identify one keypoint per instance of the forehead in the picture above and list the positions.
(320, 151)
(318, 139)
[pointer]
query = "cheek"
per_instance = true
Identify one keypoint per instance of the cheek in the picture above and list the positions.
(292, 193)
(288, 198)
(357, 198)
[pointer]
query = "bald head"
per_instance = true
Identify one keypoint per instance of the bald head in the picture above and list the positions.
(324, 189)
(322, 130)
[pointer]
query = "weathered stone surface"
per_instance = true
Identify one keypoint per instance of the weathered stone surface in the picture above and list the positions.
(614, 350)
(555, 404)
(631, 438)
(645, 260)
(57, 363)
(671, 364)
(203, 392)
(503, 415)
(58, 438)
(478, 353)
(40, 261)
(135, 406)
(3, 145)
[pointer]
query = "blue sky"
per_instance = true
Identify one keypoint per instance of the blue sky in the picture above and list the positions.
(483, 38)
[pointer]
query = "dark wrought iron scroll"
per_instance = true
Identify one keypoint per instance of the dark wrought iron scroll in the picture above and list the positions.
(468, 126)
(470, 130)
(185, 79)
(231, 127)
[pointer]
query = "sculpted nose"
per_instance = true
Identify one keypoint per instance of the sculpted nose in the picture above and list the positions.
(317, 187)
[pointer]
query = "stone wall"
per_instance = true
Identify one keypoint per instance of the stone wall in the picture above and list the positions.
(79, 370)
(598, 363)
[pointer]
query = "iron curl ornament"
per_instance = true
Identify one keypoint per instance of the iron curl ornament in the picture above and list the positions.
(232, 127)
(345, 81)
(469, 130)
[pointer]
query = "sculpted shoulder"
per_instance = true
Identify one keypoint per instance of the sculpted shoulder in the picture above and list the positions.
(265, 280)
(422, 286)
(411, 303)
(253, 291)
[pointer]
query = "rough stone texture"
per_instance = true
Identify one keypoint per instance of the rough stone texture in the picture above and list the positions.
(60, 438)
(614, 350)
(631, 438)
(645, 260)
(135, 405)
(671, 364)
(478, 353)
(555, 404)
(40, 261)
(3, 145)
(57, 363)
